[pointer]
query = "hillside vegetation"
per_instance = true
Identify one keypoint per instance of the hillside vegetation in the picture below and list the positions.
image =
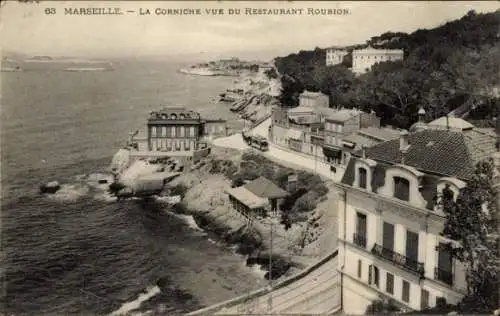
(451, 66)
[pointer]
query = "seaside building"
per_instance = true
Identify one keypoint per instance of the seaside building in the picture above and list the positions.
(174, 129)
(367, 137)
(314, 99)
(319, 133)
(257, 198)
(335, 55)
(215, 128)
(390, 246)
(175, 132)
(338, 126)
(364, 59)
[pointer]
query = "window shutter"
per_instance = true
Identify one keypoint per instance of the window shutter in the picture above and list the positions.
(370, 274)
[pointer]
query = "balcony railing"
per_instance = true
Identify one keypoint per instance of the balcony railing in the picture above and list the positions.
(443, 276)
(359, 240)
(398, 259)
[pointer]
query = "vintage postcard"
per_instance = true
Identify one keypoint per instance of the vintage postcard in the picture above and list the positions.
(249, 157)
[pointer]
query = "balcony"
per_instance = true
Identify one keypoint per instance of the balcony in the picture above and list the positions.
(399, 260)
(443, 276)
(359, 240)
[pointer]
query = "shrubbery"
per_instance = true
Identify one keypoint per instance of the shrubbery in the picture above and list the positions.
(304, 194)
(179, 189)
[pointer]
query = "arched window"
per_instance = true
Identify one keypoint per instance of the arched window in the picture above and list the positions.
(362, 178)
(401, 188)
(173, 116)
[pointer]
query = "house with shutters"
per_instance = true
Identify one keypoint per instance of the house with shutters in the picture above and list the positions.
(390, 243)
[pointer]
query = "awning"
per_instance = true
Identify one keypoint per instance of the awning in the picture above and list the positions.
(348, 144)
(332, 152)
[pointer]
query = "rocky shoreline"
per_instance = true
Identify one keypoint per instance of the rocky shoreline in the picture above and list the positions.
(247, 242)
(203, 198)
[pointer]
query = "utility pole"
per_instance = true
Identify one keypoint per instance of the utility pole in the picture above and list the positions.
(270, 300)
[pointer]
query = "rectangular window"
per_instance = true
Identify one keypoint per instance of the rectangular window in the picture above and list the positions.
(153, 131)
(182, 130)
(412, 250)
(191, 131)
(174, 134)
(401, 189)
(360, 267)
(444, 270)
(360, 236)
(388, 240)
(362, 178)
(376, 276)
(370, 272)
(406, 291)
(424, 299)
(389, 285)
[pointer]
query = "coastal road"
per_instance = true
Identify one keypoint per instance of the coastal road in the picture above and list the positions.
(316, 293)
(280, 155)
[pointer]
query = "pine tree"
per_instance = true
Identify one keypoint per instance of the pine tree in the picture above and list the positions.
(471, 221)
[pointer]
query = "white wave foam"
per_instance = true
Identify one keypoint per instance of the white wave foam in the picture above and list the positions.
(188, 219)
(106, 197)
(127, 307)
(256, 269)
(70, 192)
(93, 180)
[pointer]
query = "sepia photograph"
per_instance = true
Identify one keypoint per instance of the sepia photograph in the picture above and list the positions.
(249, 158)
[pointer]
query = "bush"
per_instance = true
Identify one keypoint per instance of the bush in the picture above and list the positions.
(180, 208)
(179, 189)
(305, 203)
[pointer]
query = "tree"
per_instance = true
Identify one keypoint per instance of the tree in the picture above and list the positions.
(471, 220)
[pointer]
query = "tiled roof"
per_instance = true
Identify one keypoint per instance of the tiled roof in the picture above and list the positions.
(263, 187)
(381, 133)
(438, 151)
(301, 109)
(342, 115)
(451, 123)
(247, 197)
(312, 94)
(360, 140)
(326, 111)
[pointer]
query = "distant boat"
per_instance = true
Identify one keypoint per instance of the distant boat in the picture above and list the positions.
(86, 69)
(199, 71)
(11, 69)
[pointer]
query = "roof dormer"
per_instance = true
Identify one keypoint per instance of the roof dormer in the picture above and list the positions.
(403, 182)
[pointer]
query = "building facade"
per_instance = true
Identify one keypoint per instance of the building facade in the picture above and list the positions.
(390, 243)
(314, 99)
(364, 59)
(174, 129)
(214, 127)
(335, 55)
(338, 126)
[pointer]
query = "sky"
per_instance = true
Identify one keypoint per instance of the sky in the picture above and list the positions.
(28, 29)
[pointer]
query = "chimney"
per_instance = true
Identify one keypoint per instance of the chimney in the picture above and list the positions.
(447, 122)
(403, 144)
(363, 151)
(421, 115)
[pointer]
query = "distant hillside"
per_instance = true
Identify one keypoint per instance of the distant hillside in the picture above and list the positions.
(445, 67)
